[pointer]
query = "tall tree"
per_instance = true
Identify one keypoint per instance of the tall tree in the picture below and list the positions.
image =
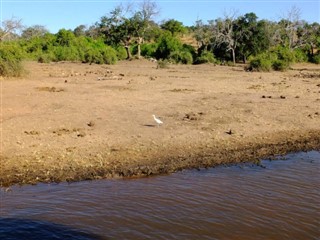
(10, 28)
(117, 28)
(286, 34)
(203, 33)
(34, 31)
(142, 21)
(173, 26)
(254, 36)
(225, 33)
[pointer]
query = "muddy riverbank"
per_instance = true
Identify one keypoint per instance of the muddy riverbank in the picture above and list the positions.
(71, 121)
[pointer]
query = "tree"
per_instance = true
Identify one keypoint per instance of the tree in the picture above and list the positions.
(203, 33)
(286, 33)
(65, 37)
(254, 37)
(173, 26)
(117, 28)
(225, 33)
(80, 30)
(34, 31)
(10, 28)
(142, 21)
(120, 28)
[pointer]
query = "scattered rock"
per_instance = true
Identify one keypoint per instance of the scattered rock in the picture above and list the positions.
(263, 96)
(192, 116)
(91, 124)
(32, 132)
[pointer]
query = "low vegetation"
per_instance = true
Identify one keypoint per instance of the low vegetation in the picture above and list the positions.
(265, 44)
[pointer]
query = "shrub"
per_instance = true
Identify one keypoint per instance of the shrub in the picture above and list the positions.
(205, 57)
(300, 55)
(285, 55)
(261, 63)
(63, 53)
(278, 59)
(121, 53)
(163, 64)
(46, 57)
(109, 55)
(149, 50)
(100, 56)
(280, 65)
(316, 58)
(181, 57)
(167, 44)
(10, 61)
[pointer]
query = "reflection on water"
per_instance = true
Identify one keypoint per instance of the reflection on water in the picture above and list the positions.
(277, 201)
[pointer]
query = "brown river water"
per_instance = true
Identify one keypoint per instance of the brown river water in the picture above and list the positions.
(276, 200)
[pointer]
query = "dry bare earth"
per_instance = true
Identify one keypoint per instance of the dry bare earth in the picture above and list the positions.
(72, 121)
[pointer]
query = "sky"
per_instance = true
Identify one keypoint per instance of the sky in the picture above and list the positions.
(68, 14)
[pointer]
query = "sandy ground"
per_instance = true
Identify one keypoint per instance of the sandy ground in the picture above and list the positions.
(73, 121)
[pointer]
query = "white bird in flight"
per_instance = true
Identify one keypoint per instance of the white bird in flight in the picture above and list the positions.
(158, 121)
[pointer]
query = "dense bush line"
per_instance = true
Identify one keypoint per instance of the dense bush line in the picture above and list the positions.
(265, 45)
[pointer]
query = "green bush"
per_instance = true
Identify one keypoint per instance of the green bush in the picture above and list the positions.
(316, 58)
(46, 57)
(278, 59)
(300, 55)
(261, 63)
(63, 53)
(280, 65)
(100, 56)
(285, 55)
(109, 55)
(205, 57)
(167, 44)
(121, 53)
(181, 57)
(10, 61)
(149, 50)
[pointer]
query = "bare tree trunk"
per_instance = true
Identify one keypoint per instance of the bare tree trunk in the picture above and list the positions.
(140, 39)
(233, 56)
(128, 52)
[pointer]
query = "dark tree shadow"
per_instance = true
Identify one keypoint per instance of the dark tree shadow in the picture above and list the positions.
(16, 229)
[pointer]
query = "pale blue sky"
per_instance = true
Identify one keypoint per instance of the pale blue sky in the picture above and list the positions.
(69, 14)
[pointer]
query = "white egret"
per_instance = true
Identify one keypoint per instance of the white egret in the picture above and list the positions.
(158, 121)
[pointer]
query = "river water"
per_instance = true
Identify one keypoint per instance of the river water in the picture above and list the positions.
(278, 200)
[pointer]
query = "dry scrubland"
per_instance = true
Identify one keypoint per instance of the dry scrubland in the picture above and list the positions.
(72, 121)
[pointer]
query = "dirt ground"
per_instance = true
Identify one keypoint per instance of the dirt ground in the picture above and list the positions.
(73, 121)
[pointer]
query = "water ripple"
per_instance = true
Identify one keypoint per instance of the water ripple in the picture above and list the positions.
(243, 201)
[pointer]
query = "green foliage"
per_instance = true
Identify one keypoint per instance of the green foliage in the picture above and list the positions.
(278, 59)
(173, 26)
(183, 56)
(262, 62)
(163, 64)
(101, 56)
(316, 58)
(65, 37)
(149, 50)
(46, 57)
(64, 53)
(167, 44)
(205, 57)
(300, 55)
(121, 53)
(10, 61)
